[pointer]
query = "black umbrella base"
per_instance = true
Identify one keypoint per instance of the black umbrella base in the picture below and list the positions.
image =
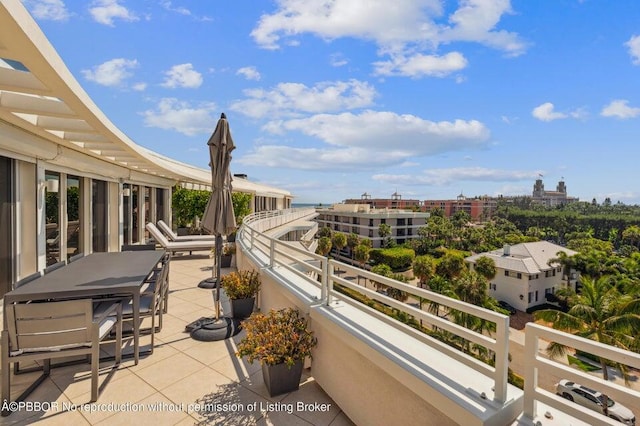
(210, 329)
(208, 283)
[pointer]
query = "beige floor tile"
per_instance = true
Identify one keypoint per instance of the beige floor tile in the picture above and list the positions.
(118, 396)
(194, 387)
(169, 370)
(75, 380)
(342, 420)
(316, 407)
(235, 368)
(210, 352)
(52, 403)
(154, 410)
(230, 404)
(282, 418)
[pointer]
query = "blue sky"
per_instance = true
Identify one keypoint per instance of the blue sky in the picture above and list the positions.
(331, 99)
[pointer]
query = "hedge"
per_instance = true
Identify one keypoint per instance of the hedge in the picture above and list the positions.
(398, 258)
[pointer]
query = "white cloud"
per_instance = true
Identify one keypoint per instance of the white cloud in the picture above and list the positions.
(293, 98)
(338, 60)
(634, 49)
(545, 112)
(52, 10)
(368, 140)
(106, 11)
(475, 21)
(179, 10)
(139, 87)
(182, 75)
(173, 114)
(619, 108)
(250, 73)
(420, 23)
(111, 73)
(446, 176)
(420, 65)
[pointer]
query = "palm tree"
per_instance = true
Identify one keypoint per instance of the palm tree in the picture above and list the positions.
(471, 287)
(352, 242)
(338, 241)
(324, 246)
(567, 262)
(361, 253)
(424, 267)
(486, 267)
(598, 313)
(384, 232)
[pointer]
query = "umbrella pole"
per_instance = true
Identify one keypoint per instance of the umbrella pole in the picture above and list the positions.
(218, 249)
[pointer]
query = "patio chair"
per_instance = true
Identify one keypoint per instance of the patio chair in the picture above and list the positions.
(173, 237)
(49, 330)
(152, 300)
(138, 247)
(179, 246)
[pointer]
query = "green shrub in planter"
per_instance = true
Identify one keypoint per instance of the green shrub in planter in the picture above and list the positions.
(241, 284)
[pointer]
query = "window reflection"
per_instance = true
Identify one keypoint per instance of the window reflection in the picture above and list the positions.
(73, 216)
(52, 213)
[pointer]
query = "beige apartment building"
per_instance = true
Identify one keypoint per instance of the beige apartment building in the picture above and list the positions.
(524, 276)
(365, 221)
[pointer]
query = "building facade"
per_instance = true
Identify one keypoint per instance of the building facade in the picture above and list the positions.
(551, 198)
(523, 274)
(395, 202)
(479, 208)
(364, 221)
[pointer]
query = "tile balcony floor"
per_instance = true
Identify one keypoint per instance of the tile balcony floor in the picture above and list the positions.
(166, 387)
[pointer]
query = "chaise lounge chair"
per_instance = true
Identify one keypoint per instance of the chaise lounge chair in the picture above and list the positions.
(173, 237)
(176, 246)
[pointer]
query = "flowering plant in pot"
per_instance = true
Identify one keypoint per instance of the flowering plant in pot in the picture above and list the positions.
(228, 250)
(241, 287)
(280, 340)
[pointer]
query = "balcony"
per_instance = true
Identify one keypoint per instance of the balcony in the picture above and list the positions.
(178, 383)
(369, 367)
(364, 352)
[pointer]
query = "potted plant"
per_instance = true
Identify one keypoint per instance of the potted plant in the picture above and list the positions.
(241, 287)
(228, 250)
(281, 341)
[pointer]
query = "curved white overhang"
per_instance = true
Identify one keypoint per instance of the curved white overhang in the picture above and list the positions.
(38, 94)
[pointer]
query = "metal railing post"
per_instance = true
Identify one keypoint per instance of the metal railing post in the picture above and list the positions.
(330, 270)
(272, 253)
(530, 371)
(502, 360)
(324, 281)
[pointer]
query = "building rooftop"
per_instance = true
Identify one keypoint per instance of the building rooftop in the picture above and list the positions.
(530, 258)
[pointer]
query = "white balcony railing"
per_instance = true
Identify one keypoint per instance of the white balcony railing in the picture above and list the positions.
(536, 364)
(315, 276)
(319, 271)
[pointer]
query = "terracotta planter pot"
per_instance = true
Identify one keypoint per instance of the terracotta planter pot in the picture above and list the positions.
(242, 308)
(281, 379)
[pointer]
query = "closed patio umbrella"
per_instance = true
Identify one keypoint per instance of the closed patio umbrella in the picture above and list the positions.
(218, 218)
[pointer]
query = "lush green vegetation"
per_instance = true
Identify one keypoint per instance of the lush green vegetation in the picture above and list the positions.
(398, 258)
(187, 204)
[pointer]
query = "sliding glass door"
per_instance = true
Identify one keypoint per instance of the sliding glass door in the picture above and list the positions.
(6, 225)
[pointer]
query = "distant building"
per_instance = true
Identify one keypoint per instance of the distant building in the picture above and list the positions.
(479, 208)
(395, 202)
(551, 198)
(523, 274)
(364, 221)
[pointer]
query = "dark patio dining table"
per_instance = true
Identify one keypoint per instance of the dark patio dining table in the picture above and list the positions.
(94, 276)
